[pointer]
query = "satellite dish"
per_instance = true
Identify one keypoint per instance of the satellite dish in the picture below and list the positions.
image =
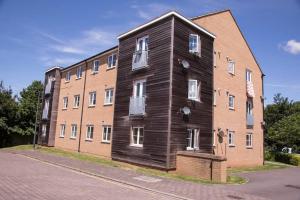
(185, 64)
(186, 110)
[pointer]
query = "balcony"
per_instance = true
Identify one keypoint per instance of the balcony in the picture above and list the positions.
(250, 89)
(250, 120)
(45, 111)
(137, 106)
(48, 87)
(139, 60)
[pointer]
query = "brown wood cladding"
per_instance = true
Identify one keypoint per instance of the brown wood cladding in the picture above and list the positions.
(157, 75)
(155, 122)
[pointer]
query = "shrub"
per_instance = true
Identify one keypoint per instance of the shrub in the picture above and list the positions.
(282, 157)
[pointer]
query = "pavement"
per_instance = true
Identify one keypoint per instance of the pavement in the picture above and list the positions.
(73, 179)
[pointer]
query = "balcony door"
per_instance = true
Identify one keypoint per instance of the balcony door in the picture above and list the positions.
(142, 44)
(139, 89)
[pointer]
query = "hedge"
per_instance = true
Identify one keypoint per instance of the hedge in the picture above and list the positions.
(282, 157)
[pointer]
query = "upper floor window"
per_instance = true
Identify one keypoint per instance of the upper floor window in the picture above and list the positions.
(96, 65)
(231, 102)
(62, 130)
(90, 132)
(73, 131)
(44, 130)
(139, 88)
(92, 99)
(231, 67)
(68, 76)
(195, 44)
(194, 89)
(65, 102)
(106, 133)
(249, 107)
(112, 61)
(142, 44)
(231, 138)
(193, 139)
(79, 72)
(76, 101)
(249, 140)
(108, 96)
(137, 136)
(248, 75)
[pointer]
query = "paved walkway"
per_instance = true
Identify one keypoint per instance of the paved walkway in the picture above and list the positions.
(180, 189)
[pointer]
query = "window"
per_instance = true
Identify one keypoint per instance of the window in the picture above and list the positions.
(137, 136)
(68, 76)
(108, 96)
(65, 102)
(193, 139)
(106, 133)
(92, 100)
(194, 90)
(44, 130)
(249, 107)
(231, 138)
(142, 44)
(231, 102)
(248, 75)
(231, 67)
(62, 130)
(139, 88)
(96, 66)
(76, 101)
(195, 44)
(215, 98)
(90, 132)
(112, 61)
(79, 72)
(249, 140)
(73, 130)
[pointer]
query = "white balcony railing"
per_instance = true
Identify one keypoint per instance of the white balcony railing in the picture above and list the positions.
(250, 89)
(139, 60)
(250, 120)
(48, 87)
(137, 106)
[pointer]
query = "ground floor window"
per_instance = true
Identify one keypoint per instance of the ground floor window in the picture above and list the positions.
(73, 131)
(249, 140)
(137, 136)
(193, 139)
(231, 138)
(90, 132)
(106, 133)
(62, 130)
(44, 130)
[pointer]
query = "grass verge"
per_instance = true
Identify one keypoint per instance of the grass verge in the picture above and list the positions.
(267, 166)
(231, 179)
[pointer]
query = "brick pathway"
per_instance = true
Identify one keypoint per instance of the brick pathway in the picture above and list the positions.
(185, 189)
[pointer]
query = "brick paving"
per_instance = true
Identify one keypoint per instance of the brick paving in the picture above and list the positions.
(184, 189)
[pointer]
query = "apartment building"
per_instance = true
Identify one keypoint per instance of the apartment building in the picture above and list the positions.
(172, 84)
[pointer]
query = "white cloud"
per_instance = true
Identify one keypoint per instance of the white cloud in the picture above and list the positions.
(151, 10)
(292, 46)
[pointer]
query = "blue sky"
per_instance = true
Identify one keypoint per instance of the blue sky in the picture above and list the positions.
(37, 34)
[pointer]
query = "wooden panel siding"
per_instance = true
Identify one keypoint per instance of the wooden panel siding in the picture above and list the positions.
(155, 122)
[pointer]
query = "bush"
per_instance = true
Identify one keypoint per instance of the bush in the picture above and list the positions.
(270, 155)
(282, 157)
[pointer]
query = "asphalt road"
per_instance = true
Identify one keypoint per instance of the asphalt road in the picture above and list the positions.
(24, 178)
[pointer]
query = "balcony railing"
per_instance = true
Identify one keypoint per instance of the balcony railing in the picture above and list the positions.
(250, 89)
(48, 87)
(139, 60)
(45, 111)
(250, 120)
(137, 106)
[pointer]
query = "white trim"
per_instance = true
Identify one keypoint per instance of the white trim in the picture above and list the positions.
(104, 139)
(52, 68)
(163, 17)
(138, 144)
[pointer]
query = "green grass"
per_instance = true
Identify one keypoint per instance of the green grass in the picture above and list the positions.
(232, 179)
(267, 166)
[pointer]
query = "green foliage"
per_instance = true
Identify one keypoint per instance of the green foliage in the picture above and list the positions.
(291, 159)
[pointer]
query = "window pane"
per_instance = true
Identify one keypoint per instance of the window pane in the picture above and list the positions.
(141, 135)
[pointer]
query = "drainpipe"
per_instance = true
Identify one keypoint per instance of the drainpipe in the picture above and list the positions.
(263, 107)
(82, 106)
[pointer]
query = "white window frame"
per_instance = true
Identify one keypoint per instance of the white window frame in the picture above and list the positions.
(62, 130)
(196, 50)
(249, 106)
(231, 97)
(110, 61)
(76, 101)
(92, 99)
(44, 130)
(193, 139)
(73, 131)
(95, 68)
(90, 132)
(65, 102)
(195, 94)
(248, 75)
(231, 67)
(249, 141)
(142, 88)
(79, 72)
(145, 41)
(231, 138)
(106, 135)
(68, 76)
(108, 98)
(138, 143)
